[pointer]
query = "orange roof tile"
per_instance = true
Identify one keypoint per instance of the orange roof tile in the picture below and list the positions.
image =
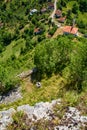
(36, 30)
(62, 19)
(43, 10)
(70, 29)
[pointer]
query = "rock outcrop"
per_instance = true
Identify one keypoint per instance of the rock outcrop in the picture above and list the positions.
(11, 96)
(71, 120)
(39, 111)
(6, 118)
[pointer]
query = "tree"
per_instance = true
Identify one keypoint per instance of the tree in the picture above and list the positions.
(52, 56)
(7, 38)
(75, 8)
(78, 65)
(83, 5)
(41, 37)
(63, 3)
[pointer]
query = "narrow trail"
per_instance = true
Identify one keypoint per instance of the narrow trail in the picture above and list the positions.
(53, 14)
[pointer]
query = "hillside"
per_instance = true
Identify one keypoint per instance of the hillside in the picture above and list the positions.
(43, 54)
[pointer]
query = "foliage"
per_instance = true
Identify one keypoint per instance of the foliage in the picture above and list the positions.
(17, 39)
(78, 65)
(65, 56)
(19, 122)
(54, 56)
(83, 5)
(75, 10)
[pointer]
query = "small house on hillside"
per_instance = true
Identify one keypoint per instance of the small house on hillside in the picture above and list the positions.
(70, 30)
(37, 31)
(58, 13)
(33, 11)
(43, 10)
(62, 19)
(50, 5)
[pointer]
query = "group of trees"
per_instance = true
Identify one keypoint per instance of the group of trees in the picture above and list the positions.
(78, 5)
(81, 4)
(52, 30)
(50, 56)
(5, 39)
(15, 15)
(6, 83)
(61, 56)
(77, 11)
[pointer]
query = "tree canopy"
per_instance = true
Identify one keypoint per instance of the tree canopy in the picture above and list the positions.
(56, 55)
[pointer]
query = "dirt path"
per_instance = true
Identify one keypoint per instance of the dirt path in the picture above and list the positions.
(52, 16)
(53, 13)
(59, 31)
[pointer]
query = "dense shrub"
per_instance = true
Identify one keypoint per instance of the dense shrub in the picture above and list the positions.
(55, 55)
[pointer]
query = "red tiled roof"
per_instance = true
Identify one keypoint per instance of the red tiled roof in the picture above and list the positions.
(43, 10)
(62, 19)
(70, 29)
(58, 12)
(36, 30)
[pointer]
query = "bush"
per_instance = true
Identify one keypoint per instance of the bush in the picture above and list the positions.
(52, 31)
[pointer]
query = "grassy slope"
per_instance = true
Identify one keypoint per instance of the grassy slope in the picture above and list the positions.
(13, 48)
(21, 63)
(52, 88)
(49, 91)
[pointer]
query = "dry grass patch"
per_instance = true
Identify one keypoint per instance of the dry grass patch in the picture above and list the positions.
(59, 31)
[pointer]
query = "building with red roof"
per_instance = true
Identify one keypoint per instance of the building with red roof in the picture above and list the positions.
(70, 30)
(43, 10)
(37, 31)
(58, 13)
(62, 19)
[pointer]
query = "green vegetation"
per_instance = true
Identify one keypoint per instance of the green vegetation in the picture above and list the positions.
(21, 122)
(61, 65)
(61, 62)
(17, 38)
(75, 10)
(62, 55)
